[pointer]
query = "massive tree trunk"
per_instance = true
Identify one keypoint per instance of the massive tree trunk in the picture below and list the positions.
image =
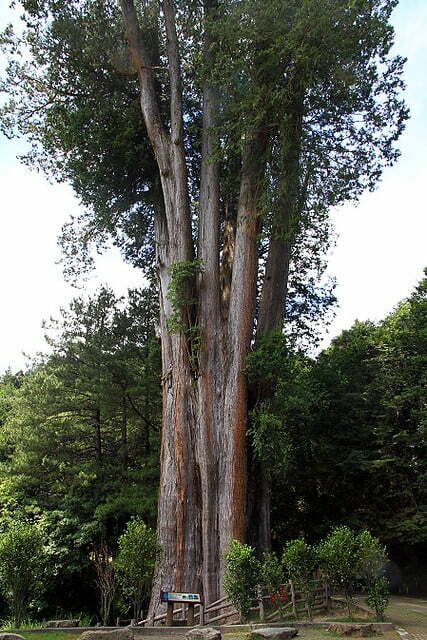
(203, 485)
(291, 200)
(240, 331)
(211, 356)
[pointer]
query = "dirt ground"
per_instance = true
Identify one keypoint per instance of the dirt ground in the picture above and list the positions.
(314, 634)
(409, 614)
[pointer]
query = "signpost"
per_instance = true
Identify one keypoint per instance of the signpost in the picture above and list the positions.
(170, 597)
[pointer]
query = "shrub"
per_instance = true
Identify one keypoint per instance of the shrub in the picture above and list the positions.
(105, 579)
(378, 596)
(241, 576)
(349, 559)
(300, 562)
(21, 559)
(373, 557)
(138, 552)
(272, 579)
(271, 572)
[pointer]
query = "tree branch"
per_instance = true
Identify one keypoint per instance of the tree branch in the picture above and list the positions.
(177, 125)
(149, 100)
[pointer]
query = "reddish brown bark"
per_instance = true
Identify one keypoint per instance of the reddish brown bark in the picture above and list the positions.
(179, 511)
(240, 332)
(211, 365)
(275, 285)
(202, 497)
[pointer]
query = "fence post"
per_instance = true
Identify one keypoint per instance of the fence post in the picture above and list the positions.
(190, 614)
(117, 622)
(201, 614)
(261, 605)
(294, 606)
(326, 595)
(169, 614)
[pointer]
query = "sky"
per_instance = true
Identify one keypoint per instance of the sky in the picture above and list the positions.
(379, 257)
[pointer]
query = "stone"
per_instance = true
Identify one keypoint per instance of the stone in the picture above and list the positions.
(350, 629)
(274, 633)
(125, 633)
(11, 636)
(61, 624)
(203, 633)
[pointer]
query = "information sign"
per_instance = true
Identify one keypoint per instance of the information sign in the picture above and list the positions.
(173, 596)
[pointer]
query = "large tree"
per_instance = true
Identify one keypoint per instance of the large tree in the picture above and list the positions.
(256, 118)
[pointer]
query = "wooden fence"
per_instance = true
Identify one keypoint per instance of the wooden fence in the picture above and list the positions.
(222, 611)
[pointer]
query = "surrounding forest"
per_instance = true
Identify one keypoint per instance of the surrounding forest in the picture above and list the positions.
(343, 436)
(208, 140)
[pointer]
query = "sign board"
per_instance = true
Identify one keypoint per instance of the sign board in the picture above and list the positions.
(172, 596)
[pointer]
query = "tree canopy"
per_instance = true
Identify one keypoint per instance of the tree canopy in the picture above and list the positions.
(209, 140)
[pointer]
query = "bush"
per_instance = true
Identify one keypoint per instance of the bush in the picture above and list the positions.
(241, 576)
(349, 559)
(21, 559)
(373, 557)
(300, 562)
(138, 552)
(271, 572)
(378, 596)
(272, 579)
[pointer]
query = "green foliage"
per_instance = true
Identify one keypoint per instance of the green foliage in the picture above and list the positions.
(348, 558)
(277, 374)
(79, 445)
(241, 576)
(181, 295)
(356, 419)
(138, 552)
(272, 578)
(373, 556)
(269, 437)
(300, 562)
(340, 558)
(21, 563)
(378, 596)
(315, 76)
(182, 277)
(271, 572)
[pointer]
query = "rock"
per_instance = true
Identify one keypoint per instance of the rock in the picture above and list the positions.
(61, 624)
(10, 636)
(350, 629)
(125, 633)
(274, 633)
(203, 633)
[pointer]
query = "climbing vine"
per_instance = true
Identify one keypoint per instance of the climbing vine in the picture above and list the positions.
(181, 295)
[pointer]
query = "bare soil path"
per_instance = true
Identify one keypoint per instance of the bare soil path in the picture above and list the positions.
(409, 614)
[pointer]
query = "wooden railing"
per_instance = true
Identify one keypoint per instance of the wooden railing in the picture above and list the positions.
(296, 605)
(223, 611)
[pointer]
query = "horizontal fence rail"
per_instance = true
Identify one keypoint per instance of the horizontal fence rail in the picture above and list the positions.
(224, 611)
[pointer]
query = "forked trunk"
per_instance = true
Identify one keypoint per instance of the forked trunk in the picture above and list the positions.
(202, 498)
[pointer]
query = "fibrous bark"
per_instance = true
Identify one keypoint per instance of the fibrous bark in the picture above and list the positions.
(203, 486)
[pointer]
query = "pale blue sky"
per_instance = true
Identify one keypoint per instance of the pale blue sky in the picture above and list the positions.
(379, 257)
